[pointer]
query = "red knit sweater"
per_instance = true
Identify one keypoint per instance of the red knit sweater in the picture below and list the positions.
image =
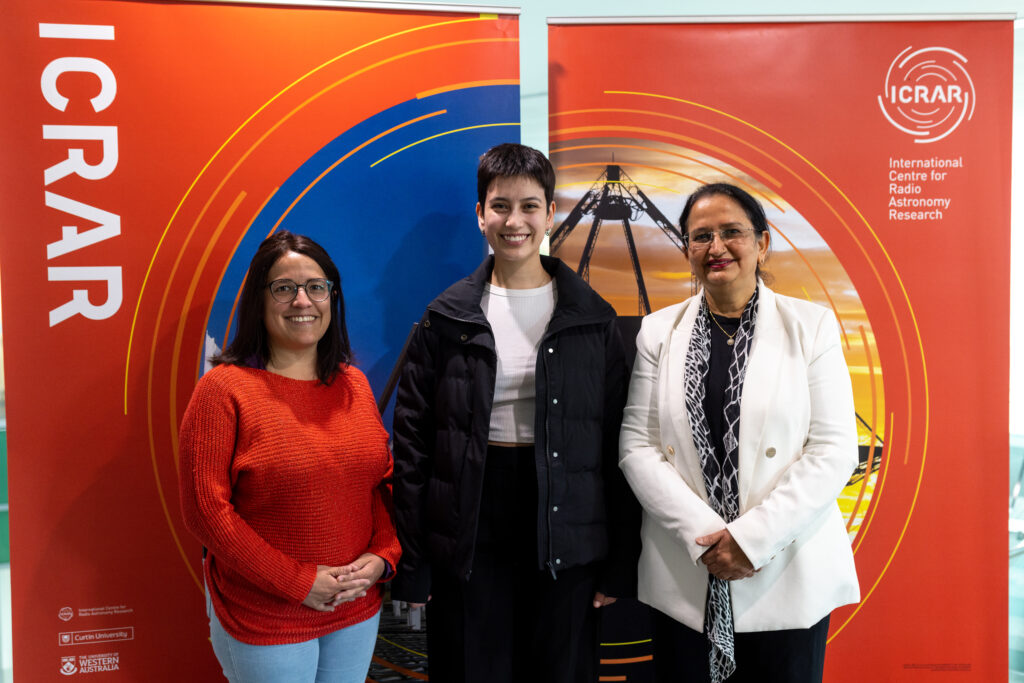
(277, 476)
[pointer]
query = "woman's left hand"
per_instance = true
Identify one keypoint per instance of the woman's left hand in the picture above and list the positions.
(724, 558)
(357, 577)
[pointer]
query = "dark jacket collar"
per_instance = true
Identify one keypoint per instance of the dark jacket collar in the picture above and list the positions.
(577, 303)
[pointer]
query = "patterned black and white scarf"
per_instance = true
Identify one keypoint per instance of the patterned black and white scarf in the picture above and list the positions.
(721, 480)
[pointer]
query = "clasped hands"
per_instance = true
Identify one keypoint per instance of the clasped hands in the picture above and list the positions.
(724, 558)
(335, 585)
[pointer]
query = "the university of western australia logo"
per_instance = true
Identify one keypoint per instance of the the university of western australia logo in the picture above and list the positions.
(928, 93)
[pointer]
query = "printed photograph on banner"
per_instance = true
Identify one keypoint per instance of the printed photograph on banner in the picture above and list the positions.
(617, 195)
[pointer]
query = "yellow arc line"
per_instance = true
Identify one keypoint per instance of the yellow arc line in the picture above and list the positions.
(735, 178)
(466, 85)
(349, 154)
(280, 122)
(906, 298)
(234, 134)
(738, 160)
(432, 137)
(616, 182)
(401, 647)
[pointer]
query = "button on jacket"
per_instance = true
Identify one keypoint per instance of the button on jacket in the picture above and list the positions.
(442, 419)
(797, 448)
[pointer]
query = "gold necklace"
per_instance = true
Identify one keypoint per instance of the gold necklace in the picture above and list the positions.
(729, 339)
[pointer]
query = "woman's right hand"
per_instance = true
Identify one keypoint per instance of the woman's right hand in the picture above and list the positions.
(325, 587)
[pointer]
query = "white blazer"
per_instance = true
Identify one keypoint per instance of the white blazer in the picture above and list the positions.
(797, 448)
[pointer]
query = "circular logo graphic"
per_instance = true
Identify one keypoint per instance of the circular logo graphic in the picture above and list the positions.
(927, 93)
(66, 613)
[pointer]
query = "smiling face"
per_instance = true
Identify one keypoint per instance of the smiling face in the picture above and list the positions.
(295, 327)
(727, 267)
(514, 218)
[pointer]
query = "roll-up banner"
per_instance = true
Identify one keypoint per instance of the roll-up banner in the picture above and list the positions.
(881, 152)
(149, 147)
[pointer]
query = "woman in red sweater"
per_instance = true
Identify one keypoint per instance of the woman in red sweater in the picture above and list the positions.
(285, 479)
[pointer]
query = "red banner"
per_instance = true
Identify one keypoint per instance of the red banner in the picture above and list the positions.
(148, 148)
(881, 152)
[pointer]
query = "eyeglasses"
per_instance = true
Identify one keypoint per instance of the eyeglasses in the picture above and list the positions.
(704, 238)
(285, 291)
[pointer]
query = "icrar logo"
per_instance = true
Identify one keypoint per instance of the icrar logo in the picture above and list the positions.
(928, 93)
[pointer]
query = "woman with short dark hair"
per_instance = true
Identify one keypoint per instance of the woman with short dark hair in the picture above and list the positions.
(514, 519)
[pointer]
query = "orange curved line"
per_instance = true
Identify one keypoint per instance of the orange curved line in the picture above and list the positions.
(235, 133)
(352, 151)
(831, 303)
(628, 660)
(616, 110)
(174, 427)
(465, 85)
(892, 311)
(402, 670)
(447, 132)
(735, 178)
(878, 580)
(874, 419)
(179, 333)
(279, 122)
(664, 133)
(559, 186)
(876, 496)
(227, 262)
(633, 165)
(853, 235)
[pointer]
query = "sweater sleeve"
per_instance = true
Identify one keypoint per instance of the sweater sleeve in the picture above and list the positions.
(383, 538)
(207, 444)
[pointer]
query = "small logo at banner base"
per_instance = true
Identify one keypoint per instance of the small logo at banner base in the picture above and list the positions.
(67, 666)
(927, 93)
(65, 613)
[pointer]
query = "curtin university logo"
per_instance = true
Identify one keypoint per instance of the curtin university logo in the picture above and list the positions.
(928, 93)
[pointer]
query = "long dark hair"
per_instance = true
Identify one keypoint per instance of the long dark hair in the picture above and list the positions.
(250, 340)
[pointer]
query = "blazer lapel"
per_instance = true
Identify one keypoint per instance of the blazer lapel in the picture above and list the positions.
(759, 387)
(673, 378)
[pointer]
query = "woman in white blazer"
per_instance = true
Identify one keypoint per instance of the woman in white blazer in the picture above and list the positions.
(737, 438)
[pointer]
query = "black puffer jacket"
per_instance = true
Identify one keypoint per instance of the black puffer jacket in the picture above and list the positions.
(442, 418)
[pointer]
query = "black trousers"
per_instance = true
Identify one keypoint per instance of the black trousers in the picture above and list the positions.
(511, 623)
(788, 656)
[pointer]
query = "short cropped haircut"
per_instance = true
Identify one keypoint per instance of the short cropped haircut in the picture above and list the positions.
(509, 160)
(333, 351)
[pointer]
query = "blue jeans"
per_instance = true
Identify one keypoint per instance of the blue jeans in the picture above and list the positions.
(339, 657)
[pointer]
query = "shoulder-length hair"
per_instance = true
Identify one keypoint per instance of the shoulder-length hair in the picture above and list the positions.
(333, 351)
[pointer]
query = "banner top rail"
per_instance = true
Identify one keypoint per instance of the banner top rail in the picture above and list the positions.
(374, 4)
(785, 18)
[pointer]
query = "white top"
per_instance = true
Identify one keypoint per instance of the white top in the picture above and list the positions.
(518, 318)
